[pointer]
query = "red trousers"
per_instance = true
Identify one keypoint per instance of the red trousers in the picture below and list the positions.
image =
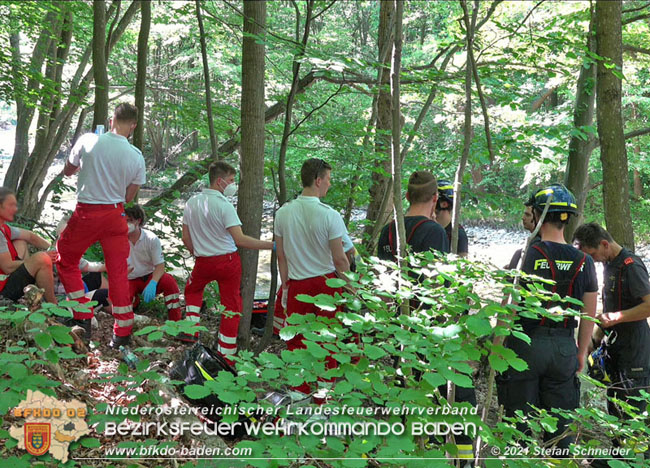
(167, 286)
(105, 224)
(226, 271)
(312, 287)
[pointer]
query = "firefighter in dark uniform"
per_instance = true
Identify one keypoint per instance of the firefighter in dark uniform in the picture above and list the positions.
(422, 232)
(552, 356)
(626, 306)
(444, 206)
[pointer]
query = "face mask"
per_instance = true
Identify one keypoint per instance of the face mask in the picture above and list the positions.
(131, 227)
(230, 190)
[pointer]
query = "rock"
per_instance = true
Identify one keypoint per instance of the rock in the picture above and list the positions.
(141, 319)
(94, 323)
(101, 315)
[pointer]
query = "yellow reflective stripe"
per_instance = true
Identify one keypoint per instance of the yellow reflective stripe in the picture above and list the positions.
(171, 296)
(191, 308)
(3, 277)
(445, 187)
(124, 323)
(193, 318)
(205, 375)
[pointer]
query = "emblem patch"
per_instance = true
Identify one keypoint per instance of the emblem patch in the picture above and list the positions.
(37, 438)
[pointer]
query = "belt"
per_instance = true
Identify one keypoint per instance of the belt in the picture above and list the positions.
(99, 206)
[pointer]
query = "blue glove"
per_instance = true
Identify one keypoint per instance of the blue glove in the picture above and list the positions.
(150, 291)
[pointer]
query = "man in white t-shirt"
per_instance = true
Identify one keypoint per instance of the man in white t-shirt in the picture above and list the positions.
(147, 265)
(309, 236)
(212, 232)
(111, 171)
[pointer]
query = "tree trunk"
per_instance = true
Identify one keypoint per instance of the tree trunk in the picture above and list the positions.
(100, 71)
(25, 96)
(42, 156)
(470, 24)
(616, 198)
(206, 75)
(396, 128)
(141, 78)
(577, 176)
(286, 132)
(377, 211)
(251, 194)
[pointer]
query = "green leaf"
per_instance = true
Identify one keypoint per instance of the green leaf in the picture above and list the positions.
(434, 379)
(90, 442)
(497, 362)
(60, 334)
(196, 392)
(52, 356)
(335, 282)
(155, 336)
(37, 317)
(373, 352)
(44, 340)
(315, 350)
(479, 326)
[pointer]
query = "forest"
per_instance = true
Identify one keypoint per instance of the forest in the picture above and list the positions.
(500, 98)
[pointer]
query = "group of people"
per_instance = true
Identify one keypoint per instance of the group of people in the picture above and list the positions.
(313, 245)
(553, 357)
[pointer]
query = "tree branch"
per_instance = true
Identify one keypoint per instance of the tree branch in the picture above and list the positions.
(323, 10)
(630, 10)
(315, 109)
(631, 48)
(632, 19)
(635, 133)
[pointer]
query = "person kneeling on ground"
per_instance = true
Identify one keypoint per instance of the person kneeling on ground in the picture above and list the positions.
(17, 268)
(147, 265)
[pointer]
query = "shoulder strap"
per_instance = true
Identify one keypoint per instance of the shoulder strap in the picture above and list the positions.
(391, 234)
(6, 230)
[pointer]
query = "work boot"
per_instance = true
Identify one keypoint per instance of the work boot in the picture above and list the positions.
(83, 323)
(118, 341)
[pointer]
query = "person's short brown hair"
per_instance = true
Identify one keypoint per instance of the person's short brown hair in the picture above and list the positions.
(422, 187)
(4, 193)
(591, 235)
(312, 169)
(136, 212)
(220, 169)
(126, 112)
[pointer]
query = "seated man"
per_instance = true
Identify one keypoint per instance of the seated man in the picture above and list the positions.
(147, 265)
(18, 270)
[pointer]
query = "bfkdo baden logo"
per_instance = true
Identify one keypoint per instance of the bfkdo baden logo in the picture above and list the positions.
(37, 438)
(50, 425)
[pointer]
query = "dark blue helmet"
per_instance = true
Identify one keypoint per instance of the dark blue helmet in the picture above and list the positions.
(563, 200)
(446, 190)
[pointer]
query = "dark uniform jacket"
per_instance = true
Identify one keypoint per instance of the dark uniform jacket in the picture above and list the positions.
(626, 282)
(569, 267)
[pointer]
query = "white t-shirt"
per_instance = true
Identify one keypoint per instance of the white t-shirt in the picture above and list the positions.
(16, 233)
(145, 254)
(208, 215)
(109, 164)
(306, 226)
